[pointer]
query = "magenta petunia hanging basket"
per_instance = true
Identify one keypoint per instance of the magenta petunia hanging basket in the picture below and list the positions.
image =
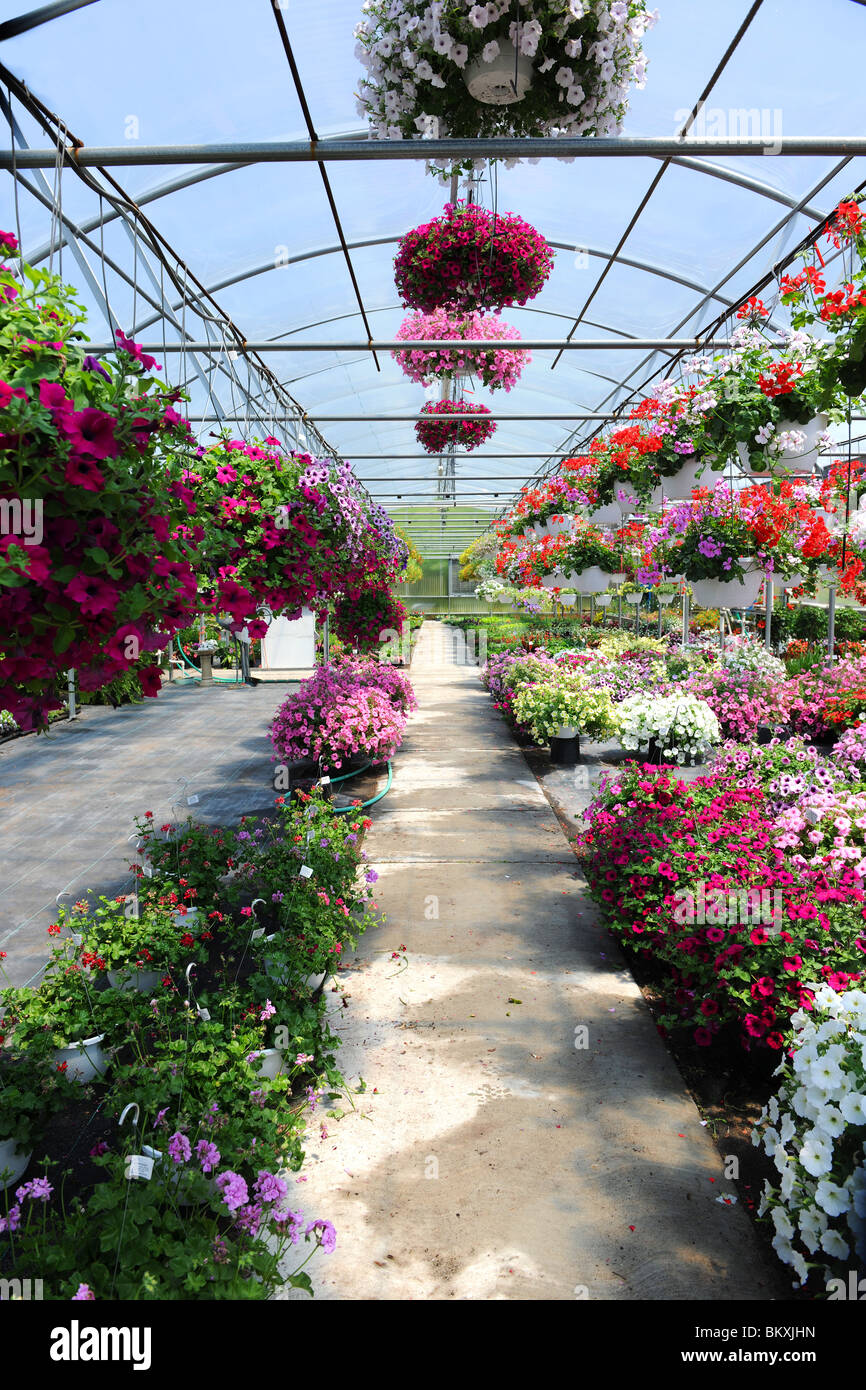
(438, 433)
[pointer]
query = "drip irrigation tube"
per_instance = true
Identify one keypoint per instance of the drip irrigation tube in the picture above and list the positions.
(218, 680)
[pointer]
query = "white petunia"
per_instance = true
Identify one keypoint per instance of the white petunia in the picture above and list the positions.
(782, 1222)
(853, 1107)
(491, 51)
(816, 1155)
(832, 1198)
(833, 1244)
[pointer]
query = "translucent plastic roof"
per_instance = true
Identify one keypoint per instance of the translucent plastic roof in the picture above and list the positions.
(263, 239)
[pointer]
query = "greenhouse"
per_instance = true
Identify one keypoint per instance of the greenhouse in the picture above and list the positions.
(433, 657)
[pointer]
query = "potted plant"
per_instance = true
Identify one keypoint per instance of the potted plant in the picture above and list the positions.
(560, 707)
(139, 943)
(712, 542)
(483, 70)
(841, 311)
(497, 367)
(61, 1020)
(681, 728)
(28, 1097)
(436, 433)
(590, 560)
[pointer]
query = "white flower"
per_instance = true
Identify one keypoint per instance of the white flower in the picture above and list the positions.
(853, 1107)
(459, 54)
(782, 1222)
(832, 1242)
(478, 16)
(829, 1119)
(424, 71)
(574, 96)
(786, 1183)
(443, 43)
(547, 65)
(564, 77)
(783, 1249)
(490, 51)
(816, 1155)
(834, 1200)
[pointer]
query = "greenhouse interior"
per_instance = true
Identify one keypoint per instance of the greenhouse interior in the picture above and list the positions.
(433, 658)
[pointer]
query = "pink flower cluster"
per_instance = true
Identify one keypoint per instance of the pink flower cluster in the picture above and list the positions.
(345, 709)
(498, 367)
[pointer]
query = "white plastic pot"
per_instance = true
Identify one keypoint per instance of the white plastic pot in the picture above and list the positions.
(142, 980)
(501, 82)
(568, 599)
(269, 1063)
(609, 515)
(557, 526)
(804, 462)
(13, 1159)
(590, 581)
(678, 488)
(781, 582)
(188, 920)
(604, 600)
(84, 1060)
(727, 593)
(566, 731)
(634, 598)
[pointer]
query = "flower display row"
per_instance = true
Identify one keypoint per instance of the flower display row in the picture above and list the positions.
(94, 568)
(481, 70)
(497, 368)
(197, 1047)
(352, 707)
(117, 530)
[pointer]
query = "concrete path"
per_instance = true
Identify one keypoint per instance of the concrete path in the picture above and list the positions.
(523, 1133)
(68, 799)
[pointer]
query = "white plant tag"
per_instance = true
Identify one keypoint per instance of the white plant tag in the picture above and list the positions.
(306, 871)
(204, 1015)
(192, 801)
(147, 869)
(259, 931)
(324, 781)
(138, 1166)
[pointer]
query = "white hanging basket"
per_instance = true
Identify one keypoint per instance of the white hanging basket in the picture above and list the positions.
(13, 1159)
(781, 582)
(557, 526)
(590, 581)
(566, 731)
(84, 1060)
(604, 600)
(141, 980)
(804, 462)
(609, 515)
(269, 1062)
(568, 599)
(727, 593)
(678, 488)
(500, 82)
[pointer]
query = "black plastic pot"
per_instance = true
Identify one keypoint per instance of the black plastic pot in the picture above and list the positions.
(565, 751)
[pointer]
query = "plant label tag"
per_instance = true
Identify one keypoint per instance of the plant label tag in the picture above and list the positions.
(306, 871)
(259, 931)
(204, 1015)
(192, 801)
(311, 810)
(138, 1166)
(324, 781)
(147, 869)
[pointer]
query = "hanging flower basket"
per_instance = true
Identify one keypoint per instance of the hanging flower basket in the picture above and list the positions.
(546, 68)
(438, 434)
(494, 368)
(471, 259)
(731, 593)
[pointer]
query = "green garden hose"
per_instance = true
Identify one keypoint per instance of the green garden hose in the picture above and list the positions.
(221, 680)
(373, 799)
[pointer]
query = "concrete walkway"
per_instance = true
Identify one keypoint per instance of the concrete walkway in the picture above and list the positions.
(523, 1133)
(68, 799)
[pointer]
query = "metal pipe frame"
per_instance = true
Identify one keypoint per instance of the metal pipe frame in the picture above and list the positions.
(435, 151)
(473, 345)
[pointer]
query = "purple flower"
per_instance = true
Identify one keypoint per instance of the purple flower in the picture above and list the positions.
(234, 1189)
(208, 1155)
(179, 1147)
(267, 1012)
(328, 1238)
(295, 1222)
(159, 1122)
(277, 897)
(12, 1221)
(39, 1190)
(258, 1097)
(90, 364)
(371, 876)
(269, 1188)
(83, 1293)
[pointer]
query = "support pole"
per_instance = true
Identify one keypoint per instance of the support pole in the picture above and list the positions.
(831, 621)
(70, 677)
(768, 613)
(685, 618)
